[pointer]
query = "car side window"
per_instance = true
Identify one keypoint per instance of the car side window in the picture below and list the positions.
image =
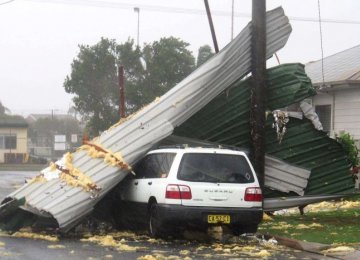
(154, 166)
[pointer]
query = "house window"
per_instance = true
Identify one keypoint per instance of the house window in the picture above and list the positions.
(324, 113)
(8, 142)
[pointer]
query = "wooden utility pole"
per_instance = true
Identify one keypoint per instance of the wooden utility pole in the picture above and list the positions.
(258, 90)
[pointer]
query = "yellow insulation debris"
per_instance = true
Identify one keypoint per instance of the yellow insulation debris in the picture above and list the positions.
(39, 178)
(266, 217)
(146, 257)
(315, 225)
(328, 206)
(262, 253)
(95, 150)
(282, 225)
(111, 242)
(36, 236)
(56, 246)
(52, 167)
(338, 249)
(302, 226)
(74, 177)
(184, 252)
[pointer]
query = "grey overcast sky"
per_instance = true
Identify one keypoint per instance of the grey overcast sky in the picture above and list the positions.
(39, 38)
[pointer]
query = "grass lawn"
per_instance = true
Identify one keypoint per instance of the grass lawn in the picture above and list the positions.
(327, 227)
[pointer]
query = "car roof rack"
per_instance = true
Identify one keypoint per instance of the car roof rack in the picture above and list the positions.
(217, 146)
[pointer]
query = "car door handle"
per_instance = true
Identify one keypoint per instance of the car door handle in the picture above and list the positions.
(150, 182)
(136, 183)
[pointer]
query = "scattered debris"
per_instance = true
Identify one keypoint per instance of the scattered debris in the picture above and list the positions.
(322, 206)
(339, 249)
(266, 217)
(281, 118)
(310, 114)
(146, 257)
(263, 253)
(37, 236)
(56, 246)
(111, 242)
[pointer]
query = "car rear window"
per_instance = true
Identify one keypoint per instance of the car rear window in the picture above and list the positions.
(219, 168)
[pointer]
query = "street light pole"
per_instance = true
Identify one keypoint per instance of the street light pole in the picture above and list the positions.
(232, 20)
(137, 10)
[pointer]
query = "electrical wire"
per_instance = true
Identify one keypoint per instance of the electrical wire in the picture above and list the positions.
(321, 45)
(167, 9)
(7, 2)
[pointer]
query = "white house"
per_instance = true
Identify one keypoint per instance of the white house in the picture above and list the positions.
(338, 85)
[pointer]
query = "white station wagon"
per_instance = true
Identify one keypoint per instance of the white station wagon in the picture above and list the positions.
(197, 187)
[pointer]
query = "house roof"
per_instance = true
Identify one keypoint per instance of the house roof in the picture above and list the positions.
(35, 117)
(12, 121)
(342, 67)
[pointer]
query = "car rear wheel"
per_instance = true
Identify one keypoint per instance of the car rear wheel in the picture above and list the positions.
(155, 223)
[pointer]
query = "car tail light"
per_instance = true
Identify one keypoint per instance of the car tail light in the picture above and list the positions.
(253, 194)
(175, 191)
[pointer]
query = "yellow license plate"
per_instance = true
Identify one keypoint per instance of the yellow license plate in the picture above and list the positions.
(219, 219)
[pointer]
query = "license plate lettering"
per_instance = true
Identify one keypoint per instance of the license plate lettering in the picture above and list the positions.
(219, 219)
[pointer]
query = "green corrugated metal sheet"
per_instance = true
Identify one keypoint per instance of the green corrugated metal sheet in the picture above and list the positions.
(226, 120)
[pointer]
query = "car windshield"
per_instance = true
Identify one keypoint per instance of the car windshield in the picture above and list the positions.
(214, 167)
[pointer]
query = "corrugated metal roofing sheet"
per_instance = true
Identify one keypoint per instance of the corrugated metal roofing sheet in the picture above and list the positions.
(340, 67)
(225, 120)
(304, 146)
(285, 177)
(134, 137)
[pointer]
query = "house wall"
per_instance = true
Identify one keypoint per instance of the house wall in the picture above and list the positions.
(322, 99)
(21, 141)
(345, 110)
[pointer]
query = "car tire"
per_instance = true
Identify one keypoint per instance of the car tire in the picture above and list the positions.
(155, 223)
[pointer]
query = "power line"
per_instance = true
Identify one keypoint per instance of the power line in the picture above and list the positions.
(321, 45)
(7, 2)
(167, 9)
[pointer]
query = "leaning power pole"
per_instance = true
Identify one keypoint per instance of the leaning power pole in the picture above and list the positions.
(207, 7)
(258, 90)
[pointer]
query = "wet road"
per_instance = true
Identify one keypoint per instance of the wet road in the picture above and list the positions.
(11, 180)
(130, 245)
